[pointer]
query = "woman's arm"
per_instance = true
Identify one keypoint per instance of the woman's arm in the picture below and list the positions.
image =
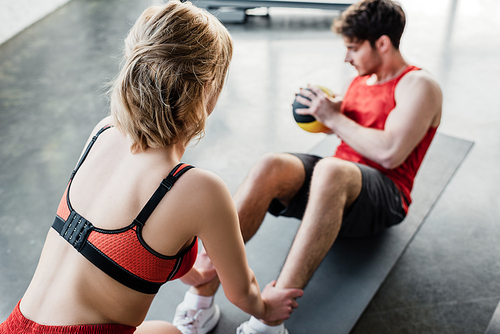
(218, 228)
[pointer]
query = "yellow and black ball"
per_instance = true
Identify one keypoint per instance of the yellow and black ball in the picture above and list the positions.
(308, 122)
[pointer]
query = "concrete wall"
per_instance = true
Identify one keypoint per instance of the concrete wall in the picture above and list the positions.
(16, 15)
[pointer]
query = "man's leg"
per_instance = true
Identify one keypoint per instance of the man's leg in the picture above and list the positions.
(277, 176)
(335, 185)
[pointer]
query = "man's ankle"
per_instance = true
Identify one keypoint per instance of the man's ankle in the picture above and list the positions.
(195, 302)
(274, 323)
(262, 327)
(207, 289)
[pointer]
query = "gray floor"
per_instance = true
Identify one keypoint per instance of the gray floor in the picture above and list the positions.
(52, 94)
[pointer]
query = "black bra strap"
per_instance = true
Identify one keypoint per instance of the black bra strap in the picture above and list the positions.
(87, 150)
(160, 192)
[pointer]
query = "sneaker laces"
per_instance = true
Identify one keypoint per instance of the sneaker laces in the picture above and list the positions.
(241, 329)
(245, 328)
(187, 324)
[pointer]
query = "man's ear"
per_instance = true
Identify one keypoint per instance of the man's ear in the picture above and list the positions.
(383, 43)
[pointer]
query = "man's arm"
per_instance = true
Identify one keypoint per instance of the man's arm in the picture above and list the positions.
(418, 107)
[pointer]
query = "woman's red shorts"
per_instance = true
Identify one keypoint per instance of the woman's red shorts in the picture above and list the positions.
(16, 323)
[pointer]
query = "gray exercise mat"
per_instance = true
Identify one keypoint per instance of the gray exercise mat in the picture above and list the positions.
(353, 270)
(494, 325)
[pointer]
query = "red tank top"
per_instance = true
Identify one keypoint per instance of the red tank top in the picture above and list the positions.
(369, 106)
(122, 253)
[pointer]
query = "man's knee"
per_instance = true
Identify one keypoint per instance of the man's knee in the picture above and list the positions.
(330, 168)
(280, 174)
(274, 166)
(333, 174)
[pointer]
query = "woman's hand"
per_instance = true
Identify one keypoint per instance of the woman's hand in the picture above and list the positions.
(202, 272)
(279, 303)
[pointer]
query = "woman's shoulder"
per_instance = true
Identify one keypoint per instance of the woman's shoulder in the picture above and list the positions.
(106, 121)
(205, 191)
(201, 199)
(200, 182)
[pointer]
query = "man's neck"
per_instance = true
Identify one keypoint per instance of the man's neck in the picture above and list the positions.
(392, 66)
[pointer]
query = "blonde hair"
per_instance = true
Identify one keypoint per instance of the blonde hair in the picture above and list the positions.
(176, 59)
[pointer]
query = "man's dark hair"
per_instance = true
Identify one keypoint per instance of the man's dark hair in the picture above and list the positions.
(370, 19)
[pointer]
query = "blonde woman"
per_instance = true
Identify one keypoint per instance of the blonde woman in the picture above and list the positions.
(132, 213)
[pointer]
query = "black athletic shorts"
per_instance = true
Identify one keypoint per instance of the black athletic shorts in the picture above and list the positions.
(378, 206)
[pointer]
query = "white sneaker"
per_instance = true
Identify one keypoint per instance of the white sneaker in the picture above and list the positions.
(199, 321)
(246, 329)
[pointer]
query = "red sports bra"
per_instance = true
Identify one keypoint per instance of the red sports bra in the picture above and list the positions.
(122, 253)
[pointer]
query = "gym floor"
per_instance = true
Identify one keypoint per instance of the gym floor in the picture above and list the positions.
(52, 93)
